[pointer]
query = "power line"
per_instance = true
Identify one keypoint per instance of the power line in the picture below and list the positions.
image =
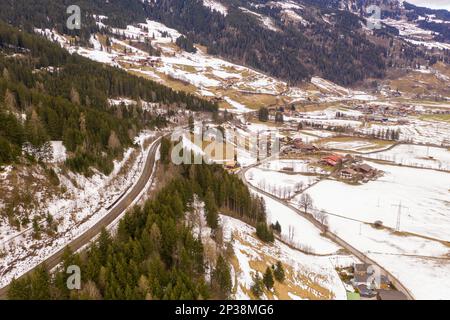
(399, 215)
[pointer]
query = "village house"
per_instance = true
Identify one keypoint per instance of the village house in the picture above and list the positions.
(366, 170)
(365, 291)
(348, 174)
(298, 146)
(383, 294)
(361, 268)
(304, 147)
(332, 160)
(365, 281)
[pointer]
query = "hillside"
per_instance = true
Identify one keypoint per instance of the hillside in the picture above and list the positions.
(290, 40)
(58, 96)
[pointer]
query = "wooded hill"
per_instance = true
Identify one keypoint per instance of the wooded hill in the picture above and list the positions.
(65, 97)
(154, 254)
(330, 42)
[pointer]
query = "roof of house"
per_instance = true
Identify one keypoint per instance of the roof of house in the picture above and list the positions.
(333, 157)
(361, 278)
(364, 291)
(365, 167)
(348, 171)
(391, 295)
(361, 267)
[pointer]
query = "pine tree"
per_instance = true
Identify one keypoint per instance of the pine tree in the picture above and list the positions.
(104, 242)
(19, 289)
(264, 233)
(40, 284)
(268, 278)
(279, 272)
(165, 150)
(212, 215)
(221, 278)
(191, 124)
(258, 286)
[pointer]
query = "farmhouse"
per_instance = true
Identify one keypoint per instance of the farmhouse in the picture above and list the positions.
(361, 268)
(383, 294)
(348, 174)
(304, 147)
(365, 291)
(332, 160)
(365, 169)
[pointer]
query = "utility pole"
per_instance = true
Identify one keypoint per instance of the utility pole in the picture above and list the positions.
(399, 215)
(257, 147)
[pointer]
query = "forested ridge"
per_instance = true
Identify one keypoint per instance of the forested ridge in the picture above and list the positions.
(48, 94)
(154, 254)
(30, 14)
(294, 53)
(330, 43)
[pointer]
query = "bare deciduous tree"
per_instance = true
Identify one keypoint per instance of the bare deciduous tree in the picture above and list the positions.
(322, 217)
(299, 186)
(291, 234)
(306, 202)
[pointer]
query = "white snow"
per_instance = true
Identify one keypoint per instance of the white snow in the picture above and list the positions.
(216, 6)
(265, 20)
(238, 107)
(306, 236)
(84, 203)
(59, 151)
(424, 195)
(279, 184)
(417, 156)
(319, 270)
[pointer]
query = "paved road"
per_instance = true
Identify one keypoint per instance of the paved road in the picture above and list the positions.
(360, 255)
(120, 207)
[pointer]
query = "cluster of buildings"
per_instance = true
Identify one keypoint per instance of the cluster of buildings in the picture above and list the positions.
(297, 146)
(387, 110)
(350, 168)
(359, 172)
(370, 285)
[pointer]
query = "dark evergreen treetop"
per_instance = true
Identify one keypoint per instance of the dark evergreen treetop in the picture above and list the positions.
(65, 97)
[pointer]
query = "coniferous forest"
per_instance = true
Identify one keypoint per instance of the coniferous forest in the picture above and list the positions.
(336, 49)
(47, 94)
(154, 254)
(338, 54)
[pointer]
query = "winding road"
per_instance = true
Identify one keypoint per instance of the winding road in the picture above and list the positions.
(119, 207)
(357, 253)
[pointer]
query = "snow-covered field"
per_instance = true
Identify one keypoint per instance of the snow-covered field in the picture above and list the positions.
(308, 277)
(297, 166)
(306, 138)
(414, 258)
(424, 195)
(417, 131)
(279, 184)
(416, 35)
(417, 156)
(305, 235)
(421, 265)
(353, 145)
(84, 203)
